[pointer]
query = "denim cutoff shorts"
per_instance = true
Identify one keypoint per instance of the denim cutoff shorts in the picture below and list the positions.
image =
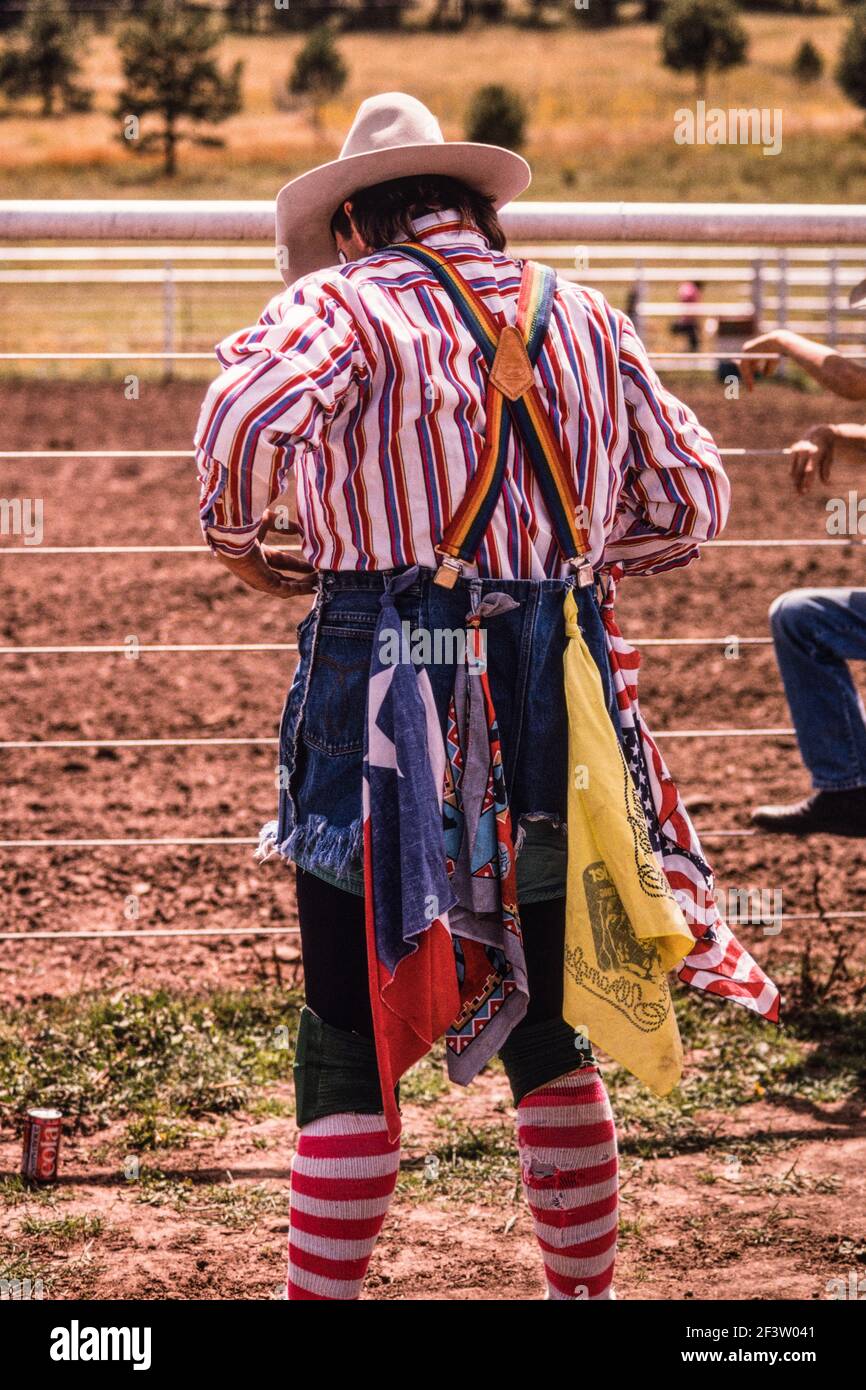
(319, 826)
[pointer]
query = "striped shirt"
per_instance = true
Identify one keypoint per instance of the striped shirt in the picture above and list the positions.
(360, 387)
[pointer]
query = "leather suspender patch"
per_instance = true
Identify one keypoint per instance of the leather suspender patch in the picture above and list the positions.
(511, 372)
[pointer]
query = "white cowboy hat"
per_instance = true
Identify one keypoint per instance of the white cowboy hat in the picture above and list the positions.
(858, 295)
(392, 136)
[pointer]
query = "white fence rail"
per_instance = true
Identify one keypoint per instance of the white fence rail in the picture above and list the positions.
(759, 265)
(806, 224)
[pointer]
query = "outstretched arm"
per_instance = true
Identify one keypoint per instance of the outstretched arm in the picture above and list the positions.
(821, 447)
(829, 368)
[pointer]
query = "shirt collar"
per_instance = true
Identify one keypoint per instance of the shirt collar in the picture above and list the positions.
(444, 229)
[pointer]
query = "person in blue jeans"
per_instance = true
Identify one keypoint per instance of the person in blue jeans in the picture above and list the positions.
(816, 632)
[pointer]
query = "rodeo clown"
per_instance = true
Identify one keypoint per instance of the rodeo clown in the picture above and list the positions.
(487, 845)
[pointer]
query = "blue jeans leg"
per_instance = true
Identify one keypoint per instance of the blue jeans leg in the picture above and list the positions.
(816, 631)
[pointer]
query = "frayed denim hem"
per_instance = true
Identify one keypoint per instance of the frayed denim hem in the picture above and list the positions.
(336, 854)
(317, 845)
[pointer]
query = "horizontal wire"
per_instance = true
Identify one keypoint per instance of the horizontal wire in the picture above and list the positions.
(217, 742)
(245, 840)
(145, 931)
(158, 648)
(743, 543)
(136, 355)
(854, 915)
(108, 357)
(151, 647)
(134, 840)
(97, 453)
(190, 453)
(696, 641)
(133, 742)
(114, 549)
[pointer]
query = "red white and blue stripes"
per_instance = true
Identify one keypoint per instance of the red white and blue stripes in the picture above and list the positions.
(362, 390)
(717, 963)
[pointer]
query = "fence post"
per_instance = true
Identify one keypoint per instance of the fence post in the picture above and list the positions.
(782, 312)
(168, 308)
(758, 293)
(637, 297)
(832, 291)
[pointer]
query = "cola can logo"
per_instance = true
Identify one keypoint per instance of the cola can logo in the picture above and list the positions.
(42, 1129)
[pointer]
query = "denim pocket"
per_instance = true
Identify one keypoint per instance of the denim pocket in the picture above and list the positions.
(336, 703)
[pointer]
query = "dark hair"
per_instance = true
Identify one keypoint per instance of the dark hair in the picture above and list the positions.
(383, 213)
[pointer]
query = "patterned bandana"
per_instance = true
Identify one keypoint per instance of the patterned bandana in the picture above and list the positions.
(443, 932)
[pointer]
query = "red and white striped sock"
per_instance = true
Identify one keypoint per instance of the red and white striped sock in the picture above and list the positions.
(343, 1177)
(567, 1143)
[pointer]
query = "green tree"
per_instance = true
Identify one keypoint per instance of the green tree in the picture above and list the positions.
(170, 73)
(302, 15)
(244, 16)
(702, 36)
(319, 72)
(374, 14)
(456, 14)
(497, 116)
(808, 65)
(43, 61)
(10, 14)
(851, 70)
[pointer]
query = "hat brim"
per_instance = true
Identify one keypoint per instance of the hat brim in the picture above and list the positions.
(858, 295)
(306, 205)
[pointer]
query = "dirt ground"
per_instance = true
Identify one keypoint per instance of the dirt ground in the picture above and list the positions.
(694, 1224)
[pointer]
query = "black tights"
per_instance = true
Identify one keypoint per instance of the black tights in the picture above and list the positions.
(334, 946)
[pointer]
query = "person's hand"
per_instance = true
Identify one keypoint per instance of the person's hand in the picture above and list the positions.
(773, 344)
(812, 454)
(268, 569)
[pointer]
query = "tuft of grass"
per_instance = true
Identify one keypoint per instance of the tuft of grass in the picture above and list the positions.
(231, 1205)
(470, 1162)
(271, 1108)
(16, 1267)
(101, 1057)
(150, 1130)
(63, 1230)
(15, 1192)
(428, 1079)
(739, 1059)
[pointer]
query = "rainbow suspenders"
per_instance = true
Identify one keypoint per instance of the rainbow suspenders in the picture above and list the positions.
(512, 399)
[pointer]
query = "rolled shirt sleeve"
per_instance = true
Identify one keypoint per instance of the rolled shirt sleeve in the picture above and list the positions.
(282, 381)
(675, 491)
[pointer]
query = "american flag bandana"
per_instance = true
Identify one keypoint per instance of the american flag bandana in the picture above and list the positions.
(718, 962)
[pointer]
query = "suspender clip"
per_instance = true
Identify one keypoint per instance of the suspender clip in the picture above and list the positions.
(583, 570)
(448, 573)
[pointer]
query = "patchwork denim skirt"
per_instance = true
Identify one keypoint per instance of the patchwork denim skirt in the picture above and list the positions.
(318, 824)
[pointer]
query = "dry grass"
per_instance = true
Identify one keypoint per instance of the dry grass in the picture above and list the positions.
(602, 117)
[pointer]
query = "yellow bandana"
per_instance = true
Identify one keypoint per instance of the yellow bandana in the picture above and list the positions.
(624, 929)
